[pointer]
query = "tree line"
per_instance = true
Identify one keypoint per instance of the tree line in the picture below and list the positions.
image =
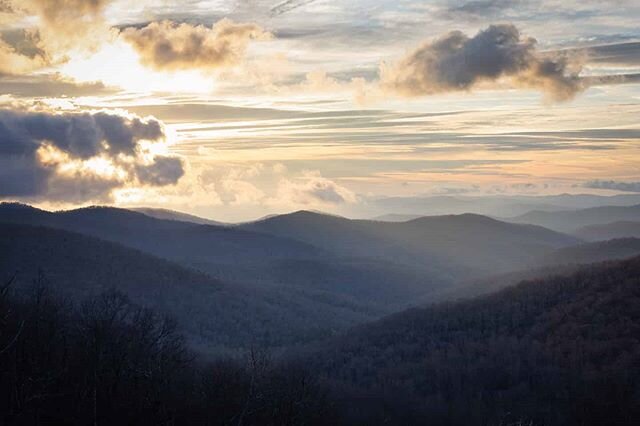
(108, 361)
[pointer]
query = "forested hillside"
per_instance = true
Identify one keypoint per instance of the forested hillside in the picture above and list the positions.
(562, 348)
(174, 215)
(457, 244)
(108, 361)
(598, 251)
(558, 351)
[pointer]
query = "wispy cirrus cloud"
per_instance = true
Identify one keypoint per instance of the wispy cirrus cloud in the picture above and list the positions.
(288, 6)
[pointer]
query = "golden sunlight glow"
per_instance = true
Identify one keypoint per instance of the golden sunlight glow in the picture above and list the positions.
(117, 64)
(66, 166)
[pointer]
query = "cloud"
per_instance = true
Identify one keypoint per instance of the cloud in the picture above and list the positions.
(80, 156)
(313, 189)
(622, 54)
(230, 182)
(67, 24)
(479, 9)
(161, 172)
(613, 185)
(170, 46)
(60, 13)
(456, 62)
(49, 85)
(60, 26)
(14, 62)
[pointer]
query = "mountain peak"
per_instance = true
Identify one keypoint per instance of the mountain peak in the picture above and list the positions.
(301, 215)
(464, 217)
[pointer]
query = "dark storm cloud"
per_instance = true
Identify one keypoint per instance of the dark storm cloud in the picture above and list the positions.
(163, 171)
(38, 152)
(83, 135)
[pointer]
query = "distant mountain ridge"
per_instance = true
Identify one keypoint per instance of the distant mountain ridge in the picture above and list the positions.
(175, 215)
(468, 240)
(608, 231)
(495, 206)
(599, 251)
(393, 217)
(572, 220)
(176, 240)
(443, 246)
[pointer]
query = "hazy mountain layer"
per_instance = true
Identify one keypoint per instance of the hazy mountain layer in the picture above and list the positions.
(461, 243)
(215, 315)
(571, 221)
(609, 231)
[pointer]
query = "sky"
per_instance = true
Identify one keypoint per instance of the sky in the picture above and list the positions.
(237, 109)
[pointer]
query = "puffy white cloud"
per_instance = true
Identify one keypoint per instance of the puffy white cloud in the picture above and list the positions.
(62, 26)
(168, 45)
(456, 62)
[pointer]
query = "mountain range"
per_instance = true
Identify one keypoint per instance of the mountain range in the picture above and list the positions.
(283, 280)
(571, 221)
(608, 231)
(501, 206)
(442, 320)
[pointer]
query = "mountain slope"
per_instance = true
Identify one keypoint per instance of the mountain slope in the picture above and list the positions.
(394, 217)
(445, 243)
(570, 221)
(560, 351)
(181, 241)
(599, 251)
(175, 215)
(255, 259)
(214, 314)
(375, 266)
